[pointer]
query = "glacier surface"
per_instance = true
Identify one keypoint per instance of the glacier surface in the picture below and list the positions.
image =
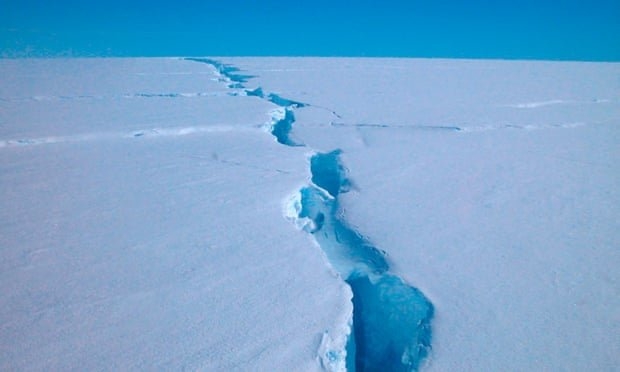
(451, 215)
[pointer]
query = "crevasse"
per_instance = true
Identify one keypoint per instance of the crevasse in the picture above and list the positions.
(391, 320)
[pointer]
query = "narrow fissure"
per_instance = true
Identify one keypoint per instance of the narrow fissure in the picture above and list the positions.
(282, 120)
(228, 72)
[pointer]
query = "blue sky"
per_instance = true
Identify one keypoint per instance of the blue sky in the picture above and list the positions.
(528, 29)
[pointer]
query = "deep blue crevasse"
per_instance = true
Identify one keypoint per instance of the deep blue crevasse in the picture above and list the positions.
(284, 102)
(274, 98)
(282, 128)
(391, 320)
(328, 173)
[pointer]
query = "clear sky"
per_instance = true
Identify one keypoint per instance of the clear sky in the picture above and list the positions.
(518, 29)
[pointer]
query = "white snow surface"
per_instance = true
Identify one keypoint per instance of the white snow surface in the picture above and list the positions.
(143, 210)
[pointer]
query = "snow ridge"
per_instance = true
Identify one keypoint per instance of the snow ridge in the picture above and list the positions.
(390, 320)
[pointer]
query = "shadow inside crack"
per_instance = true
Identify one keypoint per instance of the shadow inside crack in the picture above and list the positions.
(391, 319)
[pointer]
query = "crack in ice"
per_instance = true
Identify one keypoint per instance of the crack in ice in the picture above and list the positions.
(449, 128)
(389, 329)
(83, 97)
(282, 119)
(227, 73)
(391, 320)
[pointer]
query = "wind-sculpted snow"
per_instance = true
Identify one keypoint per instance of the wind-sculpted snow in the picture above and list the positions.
(391, 320)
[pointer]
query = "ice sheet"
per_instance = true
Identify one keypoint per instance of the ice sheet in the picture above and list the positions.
(144, 226)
